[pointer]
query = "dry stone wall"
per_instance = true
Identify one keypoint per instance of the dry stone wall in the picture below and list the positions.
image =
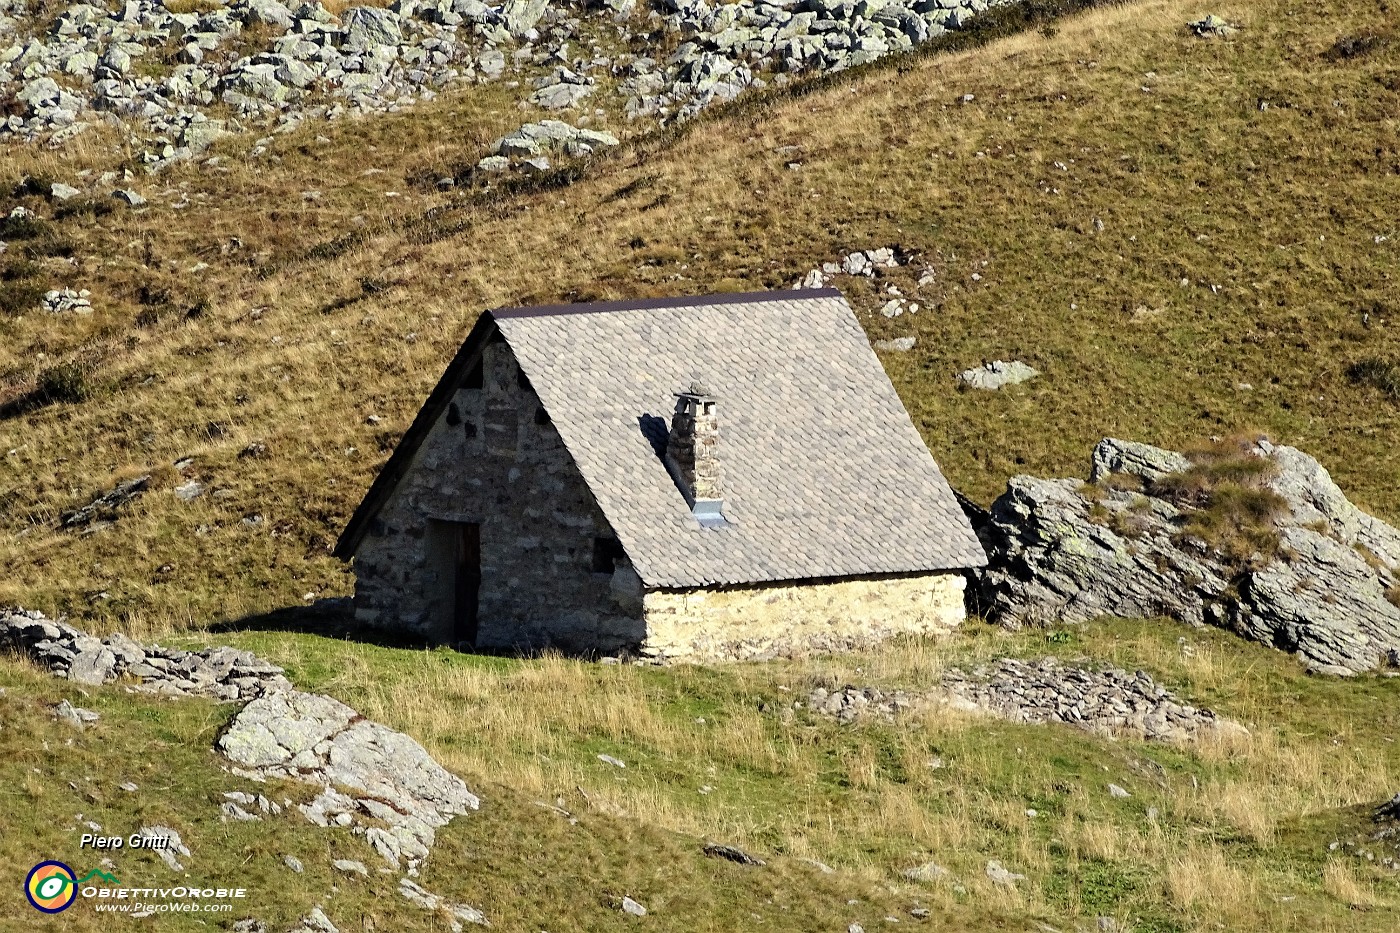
(223, 673)
(489, 460)
(787, 619)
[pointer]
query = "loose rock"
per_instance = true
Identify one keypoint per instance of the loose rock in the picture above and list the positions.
(173, 845)
(459, 913)
(996, 374)
(732, 853)
(74, 715)
(1002, 876)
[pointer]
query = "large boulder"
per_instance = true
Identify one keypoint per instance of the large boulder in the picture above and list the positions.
(1124, 544)
(367, 26)
(521, 15)
(364, 768)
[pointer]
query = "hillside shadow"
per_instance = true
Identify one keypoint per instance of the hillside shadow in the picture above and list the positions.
(337, 621)
(327, 621)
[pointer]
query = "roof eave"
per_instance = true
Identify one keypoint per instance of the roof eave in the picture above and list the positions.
(702, 584)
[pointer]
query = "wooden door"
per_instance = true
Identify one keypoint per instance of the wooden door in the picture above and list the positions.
(468, 584)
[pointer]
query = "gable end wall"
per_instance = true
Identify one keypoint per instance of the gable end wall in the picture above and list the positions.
(486, 460)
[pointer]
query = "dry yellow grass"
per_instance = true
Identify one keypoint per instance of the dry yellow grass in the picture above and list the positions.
(1221, 847)
(1202, 882)
(1344, 882)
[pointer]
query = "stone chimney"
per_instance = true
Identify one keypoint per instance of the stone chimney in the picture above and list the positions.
(693, 450)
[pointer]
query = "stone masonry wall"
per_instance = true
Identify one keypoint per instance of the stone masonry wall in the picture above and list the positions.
(786, 619)
(491, 461)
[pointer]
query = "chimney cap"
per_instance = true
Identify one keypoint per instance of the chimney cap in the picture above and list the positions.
(696, 389)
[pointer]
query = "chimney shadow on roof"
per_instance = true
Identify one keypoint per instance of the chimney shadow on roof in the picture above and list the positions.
(657, 431)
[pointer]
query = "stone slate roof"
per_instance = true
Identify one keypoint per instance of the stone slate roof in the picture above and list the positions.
(824, 474)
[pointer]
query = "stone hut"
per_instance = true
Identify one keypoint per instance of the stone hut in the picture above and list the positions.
(725, 476)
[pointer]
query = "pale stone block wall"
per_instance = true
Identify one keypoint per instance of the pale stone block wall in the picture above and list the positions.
(799, 617)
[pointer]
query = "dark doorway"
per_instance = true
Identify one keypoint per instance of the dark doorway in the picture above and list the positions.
(467, 578)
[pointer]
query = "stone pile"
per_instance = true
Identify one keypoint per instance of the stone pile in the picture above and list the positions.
(533, 142)
(67, 301)
(1105, 701)
(221, 673)
(996, 374)
(368, 772)
(860, 262)
(1064, 550)
(1108, 701)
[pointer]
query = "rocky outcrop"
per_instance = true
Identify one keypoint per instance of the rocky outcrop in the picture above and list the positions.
(1061, 549)
(222, 673)
(377, 780)
(1104, 701)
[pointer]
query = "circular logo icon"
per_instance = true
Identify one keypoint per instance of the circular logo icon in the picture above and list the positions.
(51, 887)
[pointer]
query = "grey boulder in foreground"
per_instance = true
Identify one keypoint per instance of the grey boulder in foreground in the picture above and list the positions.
(366, 770)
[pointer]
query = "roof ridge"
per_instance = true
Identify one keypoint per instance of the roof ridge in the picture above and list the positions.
(648, 304)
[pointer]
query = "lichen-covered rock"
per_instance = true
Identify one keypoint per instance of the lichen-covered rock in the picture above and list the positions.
(996, 374)
(1059, 551)
(1049, 561)
(367, 769)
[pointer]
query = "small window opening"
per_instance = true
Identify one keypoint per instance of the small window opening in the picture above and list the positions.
(469, 429)
(606, 553)
(476, 376)
(454, 415)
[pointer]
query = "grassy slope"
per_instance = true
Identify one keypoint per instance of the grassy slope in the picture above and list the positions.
(1238, 841)
(1271, 215)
